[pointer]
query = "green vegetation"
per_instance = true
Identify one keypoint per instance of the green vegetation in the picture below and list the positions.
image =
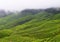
(39, 27)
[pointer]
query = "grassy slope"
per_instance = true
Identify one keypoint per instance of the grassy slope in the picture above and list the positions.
(42, 28)
(13, 20)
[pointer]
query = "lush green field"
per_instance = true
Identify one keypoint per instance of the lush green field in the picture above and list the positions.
(40, 27)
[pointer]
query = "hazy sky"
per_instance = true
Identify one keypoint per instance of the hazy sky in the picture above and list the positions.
(23, 4)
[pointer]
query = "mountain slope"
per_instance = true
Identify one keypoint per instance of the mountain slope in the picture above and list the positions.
(41, 27)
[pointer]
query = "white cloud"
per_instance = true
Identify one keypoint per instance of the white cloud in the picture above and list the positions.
(22, 4)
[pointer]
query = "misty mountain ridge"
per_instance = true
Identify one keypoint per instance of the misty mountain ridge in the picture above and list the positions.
(31, 11)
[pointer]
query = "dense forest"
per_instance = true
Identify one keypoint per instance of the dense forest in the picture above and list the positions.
(30, 25)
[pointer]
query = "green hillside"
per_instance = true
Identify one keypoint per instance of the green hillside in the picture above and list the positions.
(39, 27)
